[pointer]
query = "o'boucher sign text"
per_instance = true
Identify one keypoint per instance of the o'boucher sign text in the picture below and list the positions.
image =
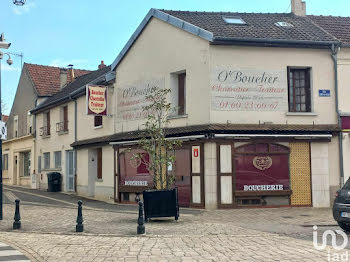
(96, 97)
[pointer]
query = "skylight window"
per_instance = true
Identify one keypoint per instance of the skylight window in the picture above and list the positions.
(234, 20)
(284, 24)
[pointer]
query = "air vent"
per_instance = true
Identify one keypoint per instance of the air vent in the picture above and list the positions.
(284, 24)
(234, 20)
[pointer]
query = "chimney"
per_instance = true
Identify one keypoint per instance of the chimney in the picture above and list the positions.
(298, 7)
(102, 65)
(70, 77)
(63, 77)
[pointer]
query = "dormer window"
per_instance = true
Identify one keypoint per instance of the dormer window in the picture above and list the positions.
(284, 24)
(234, 20)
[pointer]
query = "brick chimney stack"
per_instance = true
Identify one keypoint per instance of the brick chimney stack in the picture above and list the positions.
(298, 7)
(102, 65)
(71, 76)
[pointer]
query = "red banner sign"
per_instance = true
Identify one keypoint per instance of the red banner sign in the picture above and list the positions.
(96, 98)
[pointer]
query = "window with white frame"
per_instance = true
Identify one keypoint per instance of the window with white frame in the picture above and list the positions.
(46, 160)
(58, 159)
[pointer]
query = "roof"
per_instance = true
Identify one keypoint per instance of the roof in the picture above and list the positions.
(260, 29)
(46, 79)
(4, 118)
(336, 25)
(213, 128)
(258, 25)
(70, 88)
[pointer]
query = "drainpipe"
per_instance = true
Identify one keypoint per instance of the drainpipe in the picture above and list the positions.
(340, 137)
(75, 139)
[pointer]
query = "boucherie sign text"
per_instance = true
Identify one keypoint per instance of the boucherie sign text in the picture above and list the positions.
(96, 100)
(248, 90)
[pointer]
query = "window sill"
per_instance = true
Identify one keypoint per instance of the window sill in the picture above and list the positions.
(99, 180)
(301, 114)
(178, 116)
(45, 137)
(62, 132)
(97, 127)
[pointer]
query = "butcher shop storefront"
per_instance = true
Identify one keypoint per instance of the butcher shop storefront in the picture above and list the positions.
(230, 166)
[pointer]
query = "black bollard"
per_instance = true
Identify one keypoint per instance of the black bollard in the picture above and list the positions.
(17, 218)
(140, 221)
(80, 226)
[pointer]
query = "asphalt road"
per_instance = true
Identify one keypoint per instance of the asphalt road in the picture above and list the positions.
(39, 197)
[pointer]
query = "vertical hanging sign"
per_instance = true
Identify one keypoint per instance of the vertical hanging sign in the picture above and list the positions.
(96, 100)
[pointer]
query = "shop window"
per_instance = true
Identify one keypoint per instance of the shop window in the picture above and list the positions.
(134, 170)
(5, 159)
(97, 121)
(46, 160)
(262, 167)
(58, 159)
(299, 90)
(99, 163)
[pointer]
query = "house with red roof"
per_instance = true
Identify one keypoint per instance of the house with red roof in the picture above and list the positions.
(37, 83)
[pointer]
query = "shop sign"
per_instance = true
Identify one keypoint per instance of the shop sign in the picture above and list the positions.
(234, 89)
(132, 98)
(324, 93)
(262, 187)
(96, 100)
(136, 183)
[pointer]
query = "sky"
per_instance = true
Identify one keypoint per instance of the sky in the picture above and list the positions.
(82, 33)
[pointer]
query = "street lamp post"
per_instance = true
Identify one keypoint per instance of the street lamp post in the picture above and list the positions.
(5, 45)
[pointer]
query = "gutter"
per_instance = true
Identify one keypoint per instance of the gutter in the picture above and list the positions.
(277, 42)
(334, 56)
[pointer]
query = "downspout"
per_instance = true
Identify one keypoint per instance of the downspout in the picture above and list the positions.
(340, 137)
(75, 140)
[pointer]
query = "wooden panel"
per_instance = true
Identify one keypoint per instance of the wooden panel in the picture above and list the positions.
(300, 173)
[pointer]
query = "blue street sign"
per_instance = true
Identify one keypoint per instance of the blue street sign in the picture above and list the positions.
(324, 93)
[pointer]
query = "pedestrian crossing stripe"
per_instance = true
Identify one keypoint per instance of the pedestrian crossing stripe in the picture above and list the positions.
(9, 254)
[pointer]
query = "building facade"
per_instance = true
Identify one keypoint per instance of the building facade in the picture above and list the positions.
(62, 120)
(36, 84)
(256, 109)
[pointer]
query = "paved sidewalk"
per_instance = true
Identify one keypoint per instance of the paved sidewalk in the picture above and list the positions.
(270, 234)
(8, 253)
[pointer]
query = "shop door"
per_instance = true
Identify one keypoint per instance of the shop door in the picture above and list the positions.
(70, 170)
(182, 168)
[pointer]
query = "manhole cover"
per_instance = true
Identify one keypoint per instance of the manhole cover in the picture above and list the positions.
(287, 217)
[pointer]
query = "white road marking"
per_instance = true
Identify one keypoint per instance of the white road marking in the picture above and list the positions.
(8, 251)
(10, 196)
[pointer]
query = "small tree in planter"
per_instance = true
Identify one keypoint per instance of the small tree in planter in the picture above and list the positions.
(163, 201)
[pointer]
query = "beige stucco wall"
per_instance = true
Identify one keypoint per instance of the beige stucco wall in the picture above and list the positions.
(14, 147)
(54, 142)
(160, 50)
(103, 189)
(322, 77)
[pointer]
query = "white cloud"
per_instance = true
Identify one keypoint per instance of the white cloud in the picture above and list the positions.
(64, 63)
(6, 67)
(20, 10)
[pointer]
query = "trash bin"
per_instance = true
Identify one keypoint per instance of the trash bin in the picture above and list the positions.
(54, 180)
